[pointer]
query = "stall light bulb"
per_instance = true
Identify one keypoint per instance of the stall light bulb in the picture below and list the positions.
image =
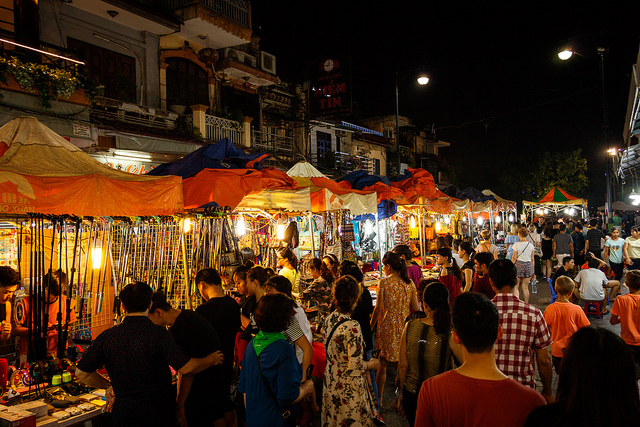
(546, 211)
(572, 211)
(498, 219)
(280, 231)
(96, 258)
(511, 217)
(438, 226)
(412, 222)
(464, 218)
(186, 225)
(540, 211)
(447, 219)
(480, 220)
(240, 226)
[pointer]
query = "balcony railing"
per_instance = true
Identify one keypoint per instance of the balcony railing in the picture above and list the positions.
(218, 128)
(115, 110)
(235, 10)
(272, 143)
(339, 163)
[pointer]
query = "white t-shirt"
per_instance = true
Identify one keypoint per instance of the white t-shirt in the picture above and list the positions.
(591, 282)
(633, 247)
(524, 250)
(301, 317)
(615, 250)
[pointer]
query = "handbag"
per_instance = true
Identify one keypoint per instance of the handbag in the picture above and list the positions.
(305, 236)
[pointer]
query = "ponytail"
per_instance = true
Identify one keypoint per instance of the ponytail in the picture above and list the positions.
(436, 297)
(287, 254)
(468, 249)
(316, 264)
(396, 263)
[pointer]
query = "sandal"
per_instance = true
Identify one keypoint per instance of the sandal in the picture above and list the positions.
(605, 311)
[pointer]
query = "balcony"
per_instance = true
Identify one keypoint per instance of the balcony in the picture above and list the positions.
(247, 68)
(217, 128)
(338, 164)
(225, 22)
(272, 143)
(112, 110)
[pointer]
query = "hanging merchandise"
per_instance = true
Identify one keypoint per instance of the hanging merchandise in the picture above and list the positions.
(305, 236)
(333, 243)
(291, 235)
(348, 233)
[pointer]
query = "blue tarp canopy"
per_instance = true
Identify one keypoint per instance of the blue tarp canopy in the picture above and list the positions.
(220, 155)
(469, 193)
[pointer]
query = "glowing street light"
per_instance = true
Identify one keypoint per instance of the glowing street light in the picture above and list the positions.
(565, 54)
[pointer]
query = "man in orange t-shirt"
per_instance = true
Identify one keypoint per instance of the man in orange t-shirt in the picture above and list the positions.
(565, 318)
(626, 312)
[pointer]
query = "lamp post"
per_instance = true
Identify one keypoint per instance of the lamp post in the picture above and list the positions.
(422, 81)
(566, 54)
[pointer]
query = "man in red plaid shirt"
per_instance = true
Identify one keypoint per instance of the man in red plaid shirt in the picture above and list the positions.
(525, 332)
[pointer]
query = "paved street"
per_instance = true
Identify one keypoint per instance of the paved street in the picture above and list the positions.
(540, 300)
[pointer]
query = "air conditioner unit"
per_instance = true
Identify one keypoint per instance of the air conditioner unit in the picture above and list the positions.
(268, 62)
(341, 133)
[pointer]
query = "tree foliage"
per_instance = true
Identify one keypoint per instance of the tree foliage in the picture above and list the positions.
(565, 170)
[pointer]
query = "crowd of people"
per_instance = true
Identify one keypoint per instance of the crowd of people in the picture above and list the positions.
(470, 336)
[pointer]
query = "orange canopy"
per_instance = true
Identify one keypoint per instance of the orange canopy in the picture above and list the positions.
(227, 187)
(42, 172)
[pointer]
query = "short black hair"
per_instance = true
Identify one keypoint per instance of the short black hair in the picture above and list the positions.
(56, 281)
(9, 277)
(280, 284)
(350, 268)
(159, 301)
(484, 258)
(274, 312)
(346, 292)
(593, 222)
(593, 263)
(502, 272)
(567, 259)
(475, 319)
(210, 276)
(632, 279)
(136, 297)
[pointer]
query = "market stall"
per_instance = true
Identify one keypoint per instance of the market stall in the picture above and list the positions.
(556, 202)
(69, 220)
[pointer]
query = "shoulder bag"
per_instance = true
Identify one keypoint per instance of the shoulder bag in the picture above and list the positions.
(286, 413)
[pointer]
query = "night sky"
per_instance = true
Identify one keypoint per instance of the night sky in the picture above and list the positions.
(498, 92)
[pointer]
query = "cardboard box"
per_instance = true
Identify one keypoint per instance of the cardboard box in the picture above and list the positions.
(17, 419)
(37, 407)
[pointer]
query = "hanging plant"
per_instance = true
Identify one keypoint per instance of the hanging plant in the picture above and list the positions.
(49, 83)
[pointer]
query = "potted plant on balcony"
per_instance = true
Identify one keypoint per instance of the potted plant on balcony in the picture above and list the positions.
(48, 83)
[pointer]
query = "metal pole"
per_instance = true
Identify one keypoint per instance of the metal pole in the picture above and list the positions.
(605, 126)
(397, 125)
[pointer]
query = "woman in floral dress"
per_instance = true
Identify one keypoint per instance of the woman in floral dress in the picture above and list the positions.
(396, 294)
(347, 398)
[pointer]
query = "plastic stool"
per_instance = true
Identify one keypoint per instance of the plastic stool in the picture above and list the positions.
(554, 295)
(593, 308)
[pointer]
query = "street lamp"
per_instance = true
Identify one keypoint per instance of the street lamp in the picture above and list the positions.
(422, 81)
(566, 54)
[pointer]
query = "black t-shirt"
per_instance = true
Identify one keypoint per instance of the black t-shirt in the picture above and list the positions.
(559, 272)
(223, 314)
(362, 314)
(137, 355)
(197, 338)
